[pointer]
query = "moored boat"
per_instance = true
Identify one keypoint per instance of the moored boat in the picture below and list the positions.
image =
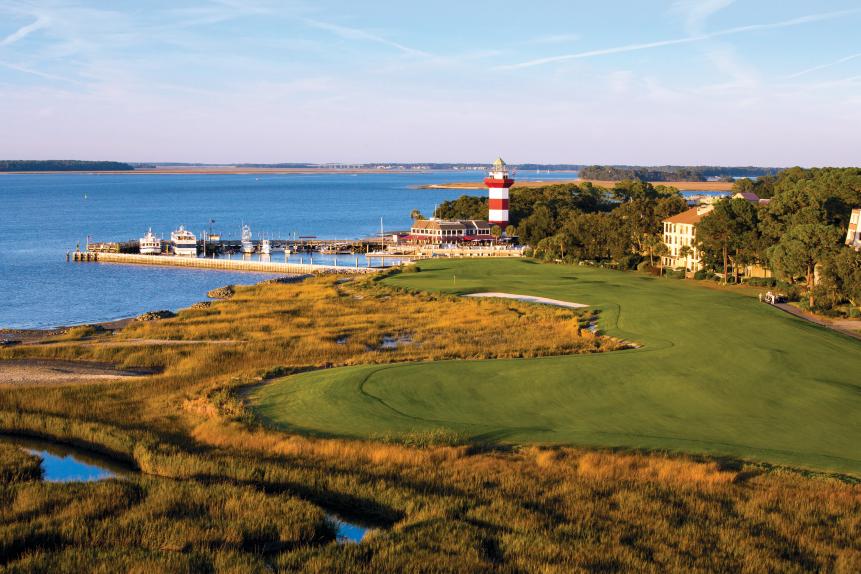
(265, 247)
(184, 242)
(150, 244)
(247, 245)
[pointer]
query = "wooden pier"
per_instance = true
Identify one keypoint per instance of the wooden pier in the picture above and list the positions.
(223, 264)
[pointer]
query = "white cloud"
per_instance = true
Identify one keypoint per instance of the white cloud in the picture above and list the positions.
(686, 40)
(359, 34)
(822, 66)
(24, 31)
(697, 12)
(620, 82)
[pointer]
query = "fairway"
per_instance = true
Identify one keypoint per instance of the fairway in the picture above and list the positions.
(718, 373)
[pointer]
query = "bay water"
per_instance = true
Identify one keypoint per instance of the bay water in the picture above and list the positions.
(43, 216)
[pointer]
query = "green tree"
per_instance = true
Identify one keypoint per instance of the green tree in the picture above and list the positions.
(510, 230)
(802, 248)
(464, 207)
(417, 215)
(496, 231)
(841, 276)
(716, 235)
(729, 234)
(537, 226)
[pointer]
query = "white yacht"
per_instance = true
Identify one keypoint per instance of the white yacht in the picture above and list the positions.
(265, 247)
(150, 244)
(247, 245)
(184, 242)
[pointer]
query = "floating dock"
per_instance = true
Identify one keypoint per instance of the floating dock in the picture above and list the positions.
(223, 264)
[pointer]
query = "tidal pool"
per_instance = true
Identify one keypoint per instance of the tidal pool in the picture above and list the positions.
(62, 463)
(348, 532)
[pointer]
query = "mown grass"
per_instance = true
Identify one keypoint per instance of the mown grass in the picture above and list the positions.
(223, 492)
(719, 373)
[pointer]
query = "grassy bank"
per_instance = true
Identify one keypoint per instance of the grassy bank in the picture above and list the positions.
(719, 373)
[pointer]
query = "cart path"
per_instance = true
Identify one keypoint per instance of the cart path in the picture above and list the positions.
(838, 325)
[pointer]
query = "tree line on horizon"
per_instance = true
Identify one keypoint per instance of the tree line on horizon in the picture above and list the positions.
(62, 165)
(798, 234)
(672, 172)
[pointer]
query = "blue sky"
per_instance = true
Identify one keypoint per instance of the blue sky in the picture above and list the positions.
(762, 82)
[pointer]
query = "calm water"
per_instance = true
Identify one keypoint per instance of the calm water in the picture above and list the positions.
(61, 463)
(348, 532)
(44, 216)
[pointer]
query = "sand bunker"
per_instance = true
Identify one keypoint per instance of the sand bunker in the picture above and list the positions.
(530, 299)
(46, 372)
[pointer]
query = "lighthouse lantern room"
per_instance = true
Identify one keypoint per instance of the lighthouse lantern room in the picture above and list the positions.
(498, 182)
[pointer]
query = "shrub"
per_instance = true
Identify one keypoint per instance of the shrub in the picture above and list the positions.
(762, 282)
(629, 262)
(854, 313)
(702, 274)
(645, 266)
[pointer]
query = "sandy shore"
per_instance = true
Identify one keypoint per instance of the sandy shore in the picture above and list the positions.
(27, 336)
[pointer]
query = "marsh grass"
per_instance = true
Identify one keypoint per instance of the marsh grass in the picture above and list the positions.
(223, 493)
(16, 465)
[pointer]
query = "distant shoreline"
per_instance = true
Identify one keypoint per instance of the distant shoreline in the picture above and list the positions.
(219, 171)
(680, 185)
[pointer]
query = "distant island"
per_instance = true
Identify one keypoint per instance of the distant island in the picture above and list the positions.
(62, 165)
(672, 172)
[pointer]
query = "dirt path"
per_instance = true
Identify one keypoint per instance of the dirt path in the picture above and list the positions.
(840, 325)
(48, 372)
(531, 299)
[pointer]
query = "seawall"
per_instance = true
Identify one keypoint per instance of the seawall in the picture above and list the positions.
(223, 264)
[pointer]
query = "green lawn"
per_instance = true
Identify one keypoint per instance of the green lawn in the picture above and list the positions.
(719, 373)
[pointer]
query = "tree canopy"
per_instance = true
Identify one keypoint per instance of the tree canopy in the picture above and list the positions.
(62, 165)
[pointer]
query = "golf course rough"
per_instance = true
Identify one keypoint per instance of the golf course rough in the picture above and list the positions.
(719, 373)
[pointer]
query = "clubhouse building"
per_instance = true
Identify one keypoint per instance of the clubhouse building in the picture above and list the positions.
(441, 232)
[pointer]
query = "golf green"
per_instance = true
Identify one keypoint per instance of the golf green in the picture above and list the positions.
(718, 373)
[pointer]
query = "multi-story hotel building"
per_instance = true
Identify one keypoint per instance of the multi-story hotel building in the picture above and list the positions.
(680, 231)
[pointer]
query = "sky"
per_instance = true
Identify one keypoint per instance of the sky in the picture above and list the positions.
(648, 82)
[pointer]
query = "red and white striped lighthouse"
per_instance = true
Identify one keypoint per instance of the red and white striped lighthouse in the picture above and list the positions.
(498, 182)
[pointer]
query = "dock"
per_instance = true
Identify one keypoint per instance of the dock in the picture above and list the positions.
(223, 264)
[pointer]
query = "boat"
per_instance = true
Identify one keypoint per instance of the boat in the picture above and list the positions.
(184, 242)
(265, 247)
(150, 244)
(247, 245)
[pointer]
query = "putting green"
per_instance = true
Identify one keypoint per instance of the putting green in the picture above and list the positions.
(719, 373)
